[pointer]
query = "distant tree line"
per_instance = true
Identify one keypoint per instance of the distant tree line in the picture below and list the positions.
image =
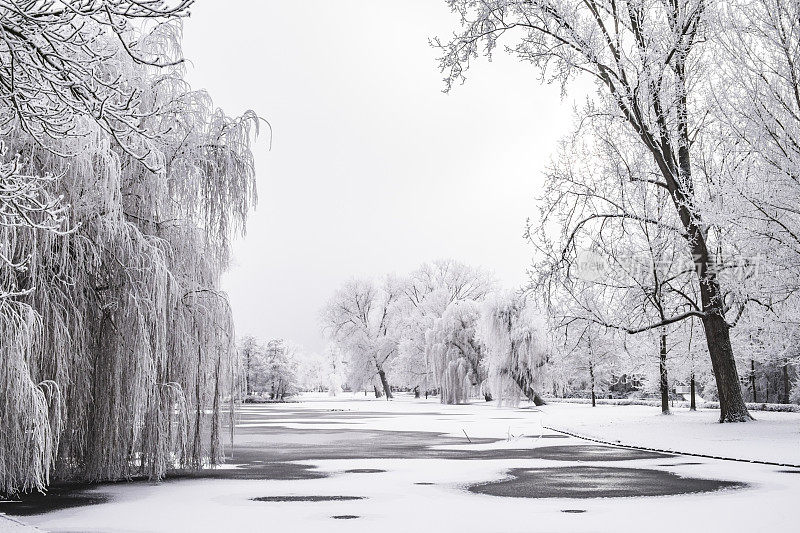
(445, 327)
(448, 329)
(269, 369)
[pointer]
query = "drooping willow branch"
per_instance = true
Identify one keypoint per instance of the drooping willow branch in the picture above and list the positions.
(116, 347)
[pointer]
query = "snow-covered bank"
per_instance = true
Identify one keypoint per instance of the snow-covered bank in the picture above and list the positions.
(773, 437)
(13, 525)
(777, 407)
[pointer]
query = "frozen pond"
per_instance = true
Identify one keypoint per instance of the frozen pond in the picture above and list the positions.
(358, 464)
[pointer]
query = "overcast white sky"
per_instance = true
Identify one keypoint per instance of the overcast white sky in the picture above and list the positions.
(373, 170)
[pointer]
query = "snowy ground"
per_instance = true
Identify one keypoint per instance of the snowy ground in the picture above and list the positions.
(12, 525)
(773, 437)
(416, 465)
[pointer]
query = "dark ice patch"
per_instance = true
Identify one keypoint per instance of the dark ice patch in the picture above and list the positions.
(596, 482)
(590, 452)
(255, 469)
(306, 498)
(57, 497)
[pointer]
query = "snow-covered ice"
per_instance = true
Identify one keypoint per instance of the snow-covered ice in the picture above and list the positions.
(395, 500)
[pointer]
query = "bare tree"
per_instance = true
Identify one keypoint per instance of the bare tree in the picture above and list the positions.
(640, 53)
(50, 81)
(610, 245)
(362, 319)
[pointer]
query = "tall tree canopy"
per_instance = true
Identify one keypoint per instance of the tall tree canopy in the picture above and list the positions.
(123, 192)
(700, 103)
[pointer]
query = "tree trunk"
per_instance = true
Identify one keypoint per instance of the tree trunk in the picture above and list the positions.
(386, 388)
(416, 392)
(664, 379)
(786, 383)
(523, 381)
(731, 402)
(679, 182)
(664, 383)
(591, 378)
(753, 380)
(692, 401)
(247, 390)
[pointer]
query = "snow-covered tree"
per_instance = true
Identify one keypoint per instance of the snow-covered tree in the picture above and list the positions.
(610, 245)
(311, 372)
(335, 369)
(643, 60)
(251, 353)
(113, 312)
(281, 360)
(322, 371)
(272, 367)
(362, 319)
(428, 292)
(514, 334)
(456, 353)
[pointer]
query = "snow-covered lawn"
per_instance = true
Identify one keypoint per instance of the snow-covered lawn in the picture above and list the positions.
(773, 437)
(416, 489)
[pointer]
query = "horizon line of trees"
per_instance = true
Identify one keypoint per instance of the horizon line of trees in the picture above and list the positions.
(448, 329)
(445, 327)
(270, 369)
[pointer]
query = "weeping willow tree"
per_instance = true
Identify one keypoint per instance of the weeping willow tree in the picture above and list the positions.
(513, 333)
(116, 343)
(456, 353)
